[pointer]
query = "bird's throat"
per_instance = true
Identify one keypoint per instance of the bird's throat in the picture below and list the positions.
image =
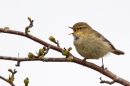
(76, 38)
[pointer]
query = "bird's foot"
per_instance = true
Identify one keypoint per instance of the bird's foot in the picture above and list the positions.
(102, 68)
(83, 61)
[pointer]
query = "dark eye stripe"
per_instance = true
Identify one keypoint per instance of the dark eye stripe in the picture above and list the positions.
(80, 28)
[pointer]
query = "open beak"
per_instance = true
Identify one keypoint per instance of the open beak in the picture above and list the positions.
(72, 29)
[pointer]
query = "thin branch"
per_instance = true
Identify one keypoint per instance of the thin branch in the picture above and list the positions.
(106, 72)
(58, 45)
(6, 81)
(31, 37)
(45, 59)
(10, 79)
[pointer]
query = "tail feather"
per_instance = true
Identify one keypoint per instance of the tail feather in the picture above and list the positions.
(118, 52)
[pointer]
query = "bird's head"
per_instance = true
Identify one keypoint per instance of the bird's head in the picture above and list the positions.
(80, 28)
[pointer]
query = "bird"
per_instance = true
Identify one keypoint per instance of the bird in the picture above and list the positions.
(90, 44)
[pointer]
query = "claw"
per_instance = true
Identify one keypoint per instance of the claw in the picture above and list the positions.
(83, 61)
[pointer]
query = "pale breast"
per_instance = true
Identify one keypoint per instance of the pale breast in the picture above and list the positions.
(92, 48)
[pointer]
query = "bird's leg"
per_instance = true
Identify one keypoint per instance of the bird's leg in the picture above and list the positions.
(102, 67)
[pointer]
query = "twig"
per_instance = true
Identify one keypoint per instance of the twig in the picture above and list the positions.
(58, 45)
(10, 78)
(46, 51)
(29, 26)
(18, 62)
(107, 82)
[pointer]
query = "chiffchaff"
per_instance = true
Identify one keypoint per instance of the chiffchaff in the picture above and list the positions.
(90, 44)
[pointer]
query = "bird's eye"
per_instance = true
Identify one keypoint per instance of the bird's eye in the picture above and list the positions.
(74, 30)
